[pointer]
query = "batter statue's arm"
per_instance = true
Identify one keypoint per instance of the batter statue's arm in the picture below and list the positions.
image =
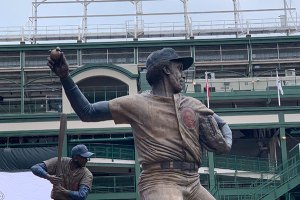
(40, 170)
(86, 111)
(81, 194)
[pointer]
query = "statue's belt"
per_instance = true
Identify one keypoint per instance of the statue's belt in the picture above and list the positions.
(184, 166)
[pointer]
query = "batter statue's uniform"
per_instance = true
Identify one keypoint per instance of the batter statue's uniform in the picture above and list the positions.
(71, 179)
(169, 134)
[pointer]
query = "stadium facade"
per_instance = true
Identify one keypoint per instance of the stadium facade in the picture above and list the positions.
(242, 66)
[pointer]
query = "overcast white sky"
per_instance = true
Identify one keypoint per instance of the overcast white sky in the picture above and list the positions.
(17, 12)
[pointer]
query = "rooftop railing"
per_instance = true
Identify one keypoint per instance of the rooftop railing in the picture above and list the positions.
(129, 30)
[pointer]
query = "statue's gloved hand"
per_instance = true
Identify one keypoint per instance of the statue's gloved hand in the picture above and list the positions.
(59, 66)
(225, 129)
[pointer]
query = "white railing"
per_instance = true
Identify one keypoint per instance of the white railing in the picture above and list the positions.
(147, 30)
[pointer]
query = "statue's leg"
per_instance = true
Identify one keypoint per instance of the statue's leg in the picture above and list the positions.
(198, 192)
(162, 192)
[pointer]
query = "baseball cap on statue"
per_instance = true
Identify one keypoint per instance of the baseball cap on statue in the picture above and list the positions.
(81, 150)
(167, 54)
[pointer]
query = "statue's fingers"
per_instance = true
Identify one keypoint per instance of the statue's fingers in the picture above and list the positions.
(63, 59)
(50, 65)
(50, 61)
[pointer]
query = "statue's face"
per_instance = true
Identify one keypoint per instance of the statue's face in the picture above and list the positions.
(80, 161)
(176, 77)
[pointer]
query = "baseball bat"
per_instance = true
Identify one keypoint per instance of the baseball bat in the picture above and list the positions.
(61, 136)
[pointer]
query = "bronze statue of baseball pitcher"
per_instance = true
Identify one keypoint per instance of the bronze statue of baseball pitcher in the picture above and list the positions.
(170, 130)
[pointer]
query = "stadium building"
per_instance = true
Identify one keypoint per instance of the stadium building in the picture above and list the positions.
(253, 75)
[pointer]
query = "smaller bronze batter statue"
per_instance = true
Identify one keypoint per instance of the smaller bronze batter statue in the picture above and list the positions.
(170, 130)
(75, 181)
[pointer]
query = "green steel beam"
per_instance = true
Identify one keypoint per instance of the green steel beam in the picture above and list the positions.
(22, 84)
(211, 169)
(282, 135)
(100, 140)
(193, 51)
(110, 66)
(116, 196)
(249, 49)
(26, 145)
(110, 165)
(79, 57)
(234, 191)
(290, 196)
(240, 95)
(153, 43)
(15, 118)
(136, 52)
(283, 189)
(48, 132)
(137, 174)
(39, 117)
(99, 130)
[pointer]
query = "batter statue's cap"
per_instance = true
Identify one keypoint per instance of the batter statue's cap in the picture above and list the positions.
(167, 54)
(81, 150)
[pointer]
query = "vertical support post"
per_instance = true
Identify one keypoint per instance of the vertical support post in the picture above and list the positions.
(138, 23)
(22, 84)
(283, 147)
(211, 169)
(115, 184)
(35, 22)
(273, 152)
(285, 17)
(193, 51)
(136, 55)
(282, 135)
(79, 57)
(249, 48)
(236, 17)
(85, 10)
(278, 52)
(137, 173)
(186, 19)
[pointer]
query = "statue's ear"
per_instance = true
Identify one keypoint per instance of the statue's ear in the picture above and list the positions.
(166, 70)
